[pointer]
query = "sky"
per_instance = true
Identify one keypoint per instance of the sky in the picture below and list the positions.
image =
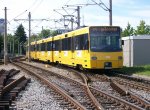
(123, 11)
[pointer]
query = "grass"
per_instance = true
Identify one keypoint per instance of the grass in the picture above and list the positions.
(139, 70)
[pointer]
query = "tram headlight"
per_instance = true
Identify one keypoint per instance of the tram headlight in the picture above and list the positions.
(94, 58)
(120, 57)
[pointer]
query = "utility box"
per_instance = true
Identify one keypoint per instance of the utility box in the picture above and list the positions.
(136, 50)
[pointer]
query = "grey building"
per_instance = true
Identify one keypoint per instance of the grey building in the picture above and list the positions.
(136, 50)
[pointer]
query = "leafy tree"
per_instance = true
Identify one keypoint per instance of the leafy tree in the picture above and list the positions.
(142, 28)
(21, 36)
(128, 31)
(34, 37)
(147, 29)
(53, 33)
(10, 43)
(1, 44)
(45, 33)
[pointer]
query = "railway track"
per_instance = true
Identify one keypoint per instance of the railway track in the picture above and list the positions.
(76, 90)
(140, 89)
(133, 84)
(143, 83)
(105, 84)
(128, 99)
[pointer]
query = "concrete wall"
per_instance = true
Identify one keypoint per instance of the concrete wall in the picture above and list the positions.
(136, 50)
(126, 53)
(141, 51)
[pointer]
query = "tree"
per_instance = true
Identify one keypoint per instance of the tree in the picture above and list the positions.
(34, 37)
(1, 44)
(142, 28)
(45, 33)
(10, 43)
(128, 31)
(148, 29)
(21, 37)
(54, 33)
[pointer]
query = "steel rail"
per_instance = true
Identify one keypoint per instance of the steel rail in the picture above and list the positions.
(72, 102)
(85, 80)
(133, 85)
(124, 75)
(86, 89)
(125, 93)
(116, 100)
(122, 90)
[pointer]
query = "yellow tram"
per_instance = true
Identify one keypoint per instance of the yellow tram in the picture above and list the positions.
(93, 47)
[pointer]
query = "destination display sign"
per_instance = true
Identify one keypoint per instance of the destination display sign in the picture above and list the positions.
(105, 29)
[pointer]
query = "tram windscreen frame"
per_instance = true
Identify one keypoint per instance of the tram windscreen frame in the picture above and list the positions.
(105, 39)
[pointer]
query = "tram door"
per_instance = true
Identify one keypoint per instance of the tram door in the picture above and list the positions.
(72, 49)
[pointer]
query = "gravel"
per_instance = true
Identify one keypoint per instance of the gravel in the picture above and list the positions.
(142, 94)
(76, 92)
(105, 87)
(36, 95)
(57, 70)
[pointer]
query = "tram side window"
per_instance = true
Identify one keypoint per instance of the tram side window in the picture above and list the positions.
(81, 42)
(76, 43)
(49, 46)
(86, 42)
(46, 46)
(43, 47)
(56, 47)
(37, 47)
(60, 45)
(66, 45)
(32, 47)
(69, 43)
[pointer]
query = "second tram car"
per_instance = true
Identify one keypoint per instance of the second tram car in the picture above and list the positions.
(93, 47)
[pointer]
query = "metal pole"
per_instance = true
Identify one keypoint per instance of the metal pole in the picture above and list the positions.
(5, 39)
(29, 59)
(110, 12)
(64, 22)
(72, 23)
(78, 16)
